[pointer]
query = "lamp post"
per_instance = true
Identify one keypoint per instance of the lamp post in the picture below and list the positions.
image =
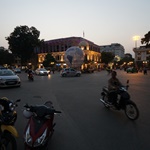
(136, 38)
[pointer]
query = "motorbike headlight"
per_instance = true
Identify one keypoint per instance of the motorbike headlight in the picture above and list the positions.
(12, 107)
(28, 138)
(40, 140)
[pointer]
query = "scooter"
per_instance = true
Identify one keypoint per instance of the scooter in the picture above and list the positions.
(40, 126)
(123, 102)
(8, 132)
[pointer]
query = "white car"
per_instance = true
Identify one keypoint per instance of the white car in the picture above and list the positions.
(70, 72)
(17, 70)
(41, 71)
(9, 79)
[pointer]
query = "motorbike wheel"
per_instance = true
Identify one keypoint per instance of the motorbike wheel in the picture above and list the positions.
(8, 142)
(131, 111)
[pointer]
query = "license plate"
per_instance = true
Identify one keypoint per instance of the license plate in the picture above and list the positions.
(11, 82)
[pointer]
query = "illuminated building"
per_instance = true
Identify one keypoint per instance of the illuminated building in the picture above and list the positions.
(142, 55)
(57, 48)
(115, 48)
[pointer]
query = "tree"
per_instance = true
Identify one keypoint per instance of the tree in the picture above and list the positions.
(125, 60)
(6, 57)
(49, 60)
(146, 39)
(22, 42)
(107, 57)
(148, 58)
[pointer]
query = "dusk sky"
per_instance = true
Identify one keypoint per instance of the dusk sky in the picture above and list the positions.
(102, 21)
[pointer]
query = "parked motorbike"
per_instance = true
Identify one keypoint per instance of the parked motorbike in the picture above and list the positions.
(40, 126)
(30, 76)
(123, 102)
(7, 130)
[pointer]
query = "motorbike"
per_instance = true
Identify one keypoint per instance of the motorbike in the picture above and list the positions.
(8, 132)
(40, 126)
(30, 77)
(123, 102)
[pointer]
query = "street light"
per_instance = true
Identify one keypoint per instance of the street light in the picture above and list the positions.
(136, 38)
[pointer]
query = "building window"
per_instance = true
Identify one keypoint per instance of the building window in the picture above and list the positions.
(88, 57)
(147, 58)
(57, 57)
(148, 52)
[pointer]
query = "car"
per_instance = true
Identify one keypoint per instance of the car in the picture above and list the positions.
(70, 72)
(17, 70)
(9, 79)
(88, 70)
(1, 67)
(41, 71)
(131, 70)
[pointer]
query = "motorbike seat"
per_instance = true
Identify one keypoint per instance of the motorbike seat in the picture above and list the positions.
(42, 110)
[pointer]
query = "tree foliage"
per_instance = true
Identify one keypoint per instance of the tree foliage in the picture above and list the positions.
(107, 57)
(126, 60)
(6, 57)
(48, 60)
(146, 39)
(148, 58)
(22, 42)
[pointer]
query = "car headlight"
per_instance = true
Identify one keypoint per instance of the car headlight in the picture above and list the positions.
(28, 138)
(18, 79)
(40, 140)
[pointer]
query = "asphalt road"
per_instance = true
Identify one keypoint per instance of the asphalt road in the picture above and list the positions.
(85, 124)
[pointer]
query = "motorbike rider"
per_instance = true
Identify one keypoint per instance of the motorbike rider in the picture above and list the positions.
(30, 71)
(113, 85)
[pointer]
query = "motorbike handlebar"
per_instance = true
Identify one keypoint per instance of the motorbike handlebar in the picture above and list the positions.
(41, 110)
(17, 101)
(26, 106)
(12, 105)
(57, 111)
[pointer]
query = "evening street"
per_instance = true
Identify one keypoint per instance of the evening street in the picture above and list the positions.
(85, 124)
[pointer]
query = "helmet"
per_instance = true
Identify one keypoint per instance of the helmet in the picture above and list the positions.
(27, 114)
(114, 73)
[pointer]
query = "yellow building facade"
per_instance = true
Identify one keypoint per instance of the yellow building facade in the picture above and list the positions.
(58, 47)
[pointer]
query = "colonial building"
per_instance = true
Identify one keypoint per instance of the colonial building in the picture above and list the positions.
(57, 48)
(142, 55)
(115, 48)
